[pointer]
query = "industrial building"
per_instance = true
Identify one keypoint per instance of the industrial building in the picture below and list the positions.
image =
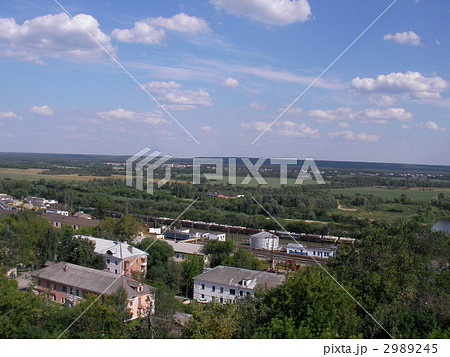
(300, 249)
(264, 240)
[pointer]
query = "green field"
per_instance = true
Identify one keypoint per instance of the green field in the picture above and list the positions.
(415, 194)
(34, 174)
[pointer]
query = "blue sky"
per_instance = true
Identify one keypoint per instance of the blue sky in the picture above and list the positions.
(225, 69)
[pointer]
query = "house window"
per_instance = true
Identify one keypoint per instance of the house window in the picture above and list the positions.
(178, 256)
(213, 288)
(248, 294)
(203, 286)
(108, 261)
(115, 271)
(116, 262)
(203, 296)
(63, 288)
(53, 286)
(241, 293)
(221, 300)
(46, 285)
(62, 300)
(232, 292)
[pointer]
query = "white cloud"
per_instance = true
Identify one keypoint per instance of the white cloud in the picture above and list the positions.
(258, 106)
(140, 33)
(382, 100)
(152, 118)
(292, 110)
(284, 128)
(351, 136)
(431, 125)
(405, 127)
(272, 12)
(56, 36)
(406, 37)
(43, 110)
(174, 97)
(414, 84)
(181, 23)
(206, 129)
(230, 82)
(376, 115)
(10, 115)
(151, 30)
(344, 124)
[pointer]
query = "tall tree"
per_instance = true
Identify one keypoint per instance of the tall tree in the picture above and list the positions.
(190, 268)
(218, 252)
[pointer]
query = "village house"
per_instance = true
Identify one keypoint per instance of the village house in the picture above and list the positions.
(67, 283)
(224, 283)
(182, 250)
(58, 220)
(120, 257)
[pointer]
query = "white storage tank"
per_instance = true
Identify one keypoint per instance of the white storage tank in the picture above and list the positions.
(264, 240)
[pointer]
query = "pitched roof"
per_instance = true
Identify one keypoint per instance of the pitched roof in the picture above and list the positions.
(186, 248)
(115, 249)
(71, 220)
(89, 280)
(263, 235)
(233, 277)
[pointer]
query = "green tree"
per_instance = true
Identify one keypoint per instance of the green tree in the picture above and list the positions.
(190, 268)
(123, 229)
(244, 259)
(159, 252)
(218, 252)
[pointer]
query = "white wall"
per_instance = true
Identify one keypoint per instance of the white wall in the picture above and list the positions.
(208, 294)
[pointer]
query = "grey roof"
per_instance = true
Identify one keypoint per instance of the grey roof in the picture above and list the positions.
(71, 220)
(88, 279)
(298, 245)
(263, 235)
(233, 277)
(119, 250)
(186, 248)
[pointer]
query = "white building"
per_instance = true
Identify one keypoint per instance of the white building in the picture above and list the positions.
(264, 240)
(120, 256)
(182, 250)
(224, 283)
(57, 211)
(300, 249)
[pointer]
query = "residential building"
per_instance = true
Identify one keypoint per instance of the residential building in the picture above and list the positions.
(182, 250)
(300, 249)
(120, 257)
(58, 221)
(224, 283)
(36, 201)
(67, 283)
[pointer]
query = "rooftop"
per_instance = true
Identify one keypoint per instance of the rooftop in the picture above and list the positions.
(88, 279)
(186, 248)
(71, 220)
(115, 249)
(263, 235)
(234, 276)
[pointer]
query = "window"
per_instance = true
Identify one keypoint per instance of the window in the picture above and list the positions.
(53, 286)
(241, 293)
(203, 286)
(232, 292)
(248, 294)
(221, 289)
(178, 255)
(213, 288)
(77, 293)
(203, 296)
(63, 288)
(108, 261)
(116, 262)
(62, 300)
(46, 285)
(115, 271)
(221, 300)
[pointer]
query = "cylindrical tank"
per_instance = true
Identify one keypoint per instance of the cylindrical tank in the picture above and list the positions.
(264, 240)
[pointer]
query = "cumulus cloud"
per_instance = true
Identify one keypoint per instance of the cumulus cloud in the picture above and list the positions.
(56, 36)
(406, 37)
(43, 110)
(283, 128)
(151, 30)
(431, 125)
(376, 115)
(174, 97)
(352, 136)
(230, 82)
(152, 118)
(413, 84)
(9, 115)
(271, 12)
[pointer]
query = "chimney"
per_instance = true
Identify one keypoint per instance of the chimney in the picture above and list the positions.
(66, 267)
(130, 249)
